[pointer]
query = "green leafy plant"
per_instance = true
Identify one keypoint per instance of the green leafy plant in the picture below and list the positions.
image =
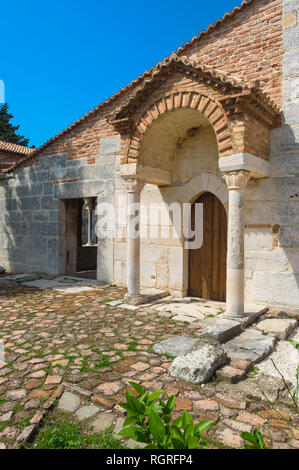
(255, 439)
(149, 422)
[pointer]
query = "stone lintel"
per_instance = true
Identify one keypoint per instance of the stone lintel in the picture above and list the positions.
(147, 173)
(257, 167)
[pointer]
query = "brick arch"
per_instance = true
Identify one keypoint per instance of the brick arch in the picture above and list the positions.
(206, 104)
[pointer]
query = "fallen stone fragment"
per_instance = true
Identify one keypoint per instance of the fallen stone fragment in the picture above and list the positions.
(200, 365)
(26, 433)
(177, 345)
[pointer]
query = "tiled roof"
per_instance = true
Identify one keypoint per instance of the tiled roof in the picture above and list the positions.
(217, 76)
(14, 148)
(12, 155)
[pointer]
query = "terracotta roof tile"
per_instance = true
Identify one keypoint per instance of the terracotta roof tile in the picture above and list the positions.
(14, 148)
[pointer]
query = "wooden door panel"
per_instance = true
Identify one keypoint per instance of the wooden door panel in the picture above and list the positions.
(207, 265)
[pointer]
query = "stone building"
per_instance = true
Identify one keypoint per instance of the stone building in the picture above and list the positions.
(215, 122)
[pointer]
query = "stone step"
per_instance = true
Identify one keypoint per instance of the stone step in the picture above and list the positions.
(251, 345)
(224, 328)
(282, 328)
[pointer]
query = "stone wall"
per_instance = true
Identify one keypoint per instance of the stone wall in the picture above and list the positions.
(272, 208)
(32, 213)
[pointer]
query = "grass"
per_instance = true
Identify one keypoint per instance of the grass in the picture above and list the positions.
(61, 433)
(132, 346)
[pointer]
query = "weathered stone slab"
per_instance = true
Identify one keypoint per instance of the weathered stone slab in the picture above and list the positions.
(200, 365)
(250, 345)
(86, 412)
(102, 422)
(69, 402)
(73, 289)
(177, 345)
(280, 327)
(184, 318)
(220, 329)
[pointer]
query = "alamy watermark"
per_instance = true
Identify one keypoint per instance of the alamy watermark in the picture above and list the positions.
(2, 92)
(153, 221)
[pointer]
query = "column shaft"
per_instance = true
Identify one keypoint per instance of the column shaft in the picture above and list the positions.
(236, 182)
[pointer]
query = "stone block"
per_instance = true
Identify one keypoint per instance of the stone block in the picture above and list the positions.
(153, 254)
(274, 289)
(290, 63)
(29, 203)
(50, 161)
(162, 276)
(291, 112)
(284, 139)
(110, 145)
(177, 345)
(282, 328)
(288, 236)
(198, 366)
(47, 202)
(258, 237)
(291, 38)
(42, 215)
(120, 271)
(219, 329)
(285, 164)
(274, 261)
(148, 275)
(290, 89)
(251, 345)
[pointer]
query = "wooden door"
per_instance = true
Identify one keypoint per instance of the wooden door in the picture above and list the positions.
(207, 265)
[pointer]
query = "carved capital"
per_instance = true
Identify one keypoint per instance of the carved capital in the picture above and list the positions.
(134, 185)
(89, 204)
(236, 179)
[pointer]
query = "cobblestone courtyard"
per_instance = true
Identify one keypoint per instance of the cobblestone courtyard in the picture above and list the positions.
(83, 351)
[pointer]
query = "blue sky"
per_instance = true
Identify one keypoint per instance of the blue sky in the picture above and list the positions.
(59, 59)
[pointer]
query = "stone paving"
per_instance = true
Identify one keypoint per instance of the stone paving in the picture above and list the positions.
(80, 350)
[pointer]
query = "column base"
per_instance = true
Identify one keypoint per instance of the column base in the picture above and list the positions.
(146, 296)
(132, 299)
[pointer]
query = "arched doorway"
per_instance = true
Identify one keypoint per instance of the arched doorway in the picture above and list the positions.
(207, 264)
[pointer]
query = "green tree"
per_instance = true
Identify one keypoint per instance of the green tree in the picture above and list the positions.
(7, 130)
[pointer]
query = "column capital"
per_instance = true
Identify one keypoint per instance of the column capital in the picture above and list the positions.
(236, 179)
(88, 203)
(134, 185)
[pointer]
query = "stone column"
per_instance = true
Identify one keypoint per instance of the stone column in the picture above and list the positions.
(88, 204)
(134, 186)
(236, 182)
